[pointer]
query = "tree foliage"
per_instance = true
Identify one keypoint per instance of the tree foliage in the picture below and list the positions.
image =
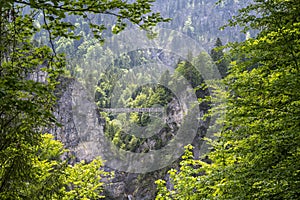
(26, 97)
(256, 155)
(217, 55)
(50, 177)
(29, 168)
(113, 92)
(55, 12)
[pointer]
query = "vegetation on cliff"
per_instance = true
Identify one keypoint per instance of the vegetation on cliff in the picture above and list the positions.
(30, 162)
(256, 153)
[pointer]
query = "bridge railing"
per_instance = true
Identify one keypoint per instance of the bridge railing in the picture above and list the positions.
(130, 110)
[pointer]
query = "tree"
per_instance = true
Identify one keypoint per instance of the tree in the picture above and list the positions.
(26, 96)
(55, 12)
(52, 178)
(217, 55)
(28, 79)
(256, 155)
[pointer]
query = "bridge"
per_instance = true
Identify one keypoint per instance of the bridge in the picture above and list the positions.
(130, 110)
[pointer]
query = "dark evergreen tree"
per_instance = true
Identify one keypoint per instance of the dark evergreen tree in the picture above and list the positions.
(218, 57)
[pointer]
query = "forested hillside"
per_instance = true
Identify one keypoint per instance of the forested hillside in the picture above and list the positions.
(202, 19)
(165, 99)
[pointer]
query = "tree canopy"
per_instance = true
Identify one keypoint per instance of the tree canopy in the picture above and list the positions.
(55, 12)
(256, 155)
(30, 164)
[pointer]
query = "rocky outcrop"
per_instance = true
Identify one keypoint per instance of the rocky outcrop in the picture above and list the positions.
(67, 132)
(82, 133)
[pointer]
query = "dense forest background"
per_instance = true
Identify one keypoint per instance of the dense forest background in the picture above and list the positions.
(252, 105)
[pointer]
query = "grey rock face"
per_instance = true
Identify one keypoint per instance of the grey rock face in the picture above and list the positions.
(67, 133)
(83, 134)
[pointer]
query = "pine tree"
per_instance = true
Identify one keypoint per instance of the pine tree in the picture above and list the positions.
(217, 56)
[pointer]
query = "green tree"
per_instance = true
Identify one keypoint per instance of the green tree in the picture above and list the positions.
(256, 155)
(217, 55)
(28, 78)
(55, 12)
(189, 72)
(52, 178)
(27, 81)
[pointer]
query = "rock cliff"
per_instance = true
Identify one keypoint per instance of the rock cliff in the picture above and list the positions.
(83, 133)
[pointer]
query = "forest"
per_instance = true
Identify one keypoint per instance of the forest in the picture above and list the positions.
(149, 99)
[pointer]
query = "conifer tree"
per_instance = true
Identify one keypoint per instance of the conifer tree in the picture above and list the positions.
(217, 55)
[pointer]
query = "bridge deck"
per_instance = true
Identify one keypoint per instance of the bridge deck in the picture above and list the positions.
(130, 110)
